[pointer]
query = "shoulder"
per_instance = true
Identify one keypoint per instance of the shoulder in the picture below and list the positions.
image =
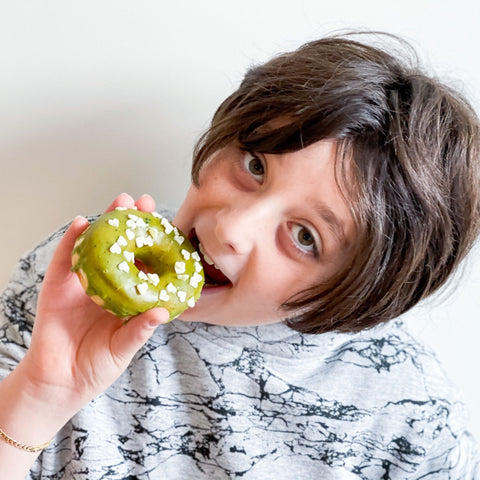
(389, 370)
(406, 400)
(388, 353)
(18, 300)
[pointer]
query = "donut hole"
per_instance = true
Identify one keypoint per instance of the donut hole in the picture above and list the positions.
(143, 266)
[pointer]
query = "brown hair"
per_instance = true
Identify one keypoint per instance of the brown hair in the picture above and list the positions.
(412, 144)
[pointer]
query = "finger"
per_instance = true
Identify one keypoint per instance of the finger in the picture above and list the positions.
(145, 203)
(62, 257)
(123, 200)
(132, 336)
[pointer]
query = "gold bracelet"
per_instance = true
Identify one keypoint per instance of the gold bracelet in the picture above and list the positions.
(22, 446)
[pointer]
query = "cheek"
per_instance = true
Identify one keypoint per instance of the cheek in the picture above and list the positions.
(286, 279)
(186, 212)
(275, 280)
(196, 199)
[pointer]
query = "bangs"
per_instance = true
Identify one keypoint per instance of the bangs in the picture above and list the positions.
(292, 135)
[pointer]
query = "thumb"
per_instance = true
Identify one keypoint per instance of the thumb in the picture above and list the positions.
(129, 338)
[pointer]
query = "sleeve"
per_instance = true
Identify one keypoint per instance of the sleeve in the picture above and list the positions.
(447, 449)
(454, 454)
(413, 422)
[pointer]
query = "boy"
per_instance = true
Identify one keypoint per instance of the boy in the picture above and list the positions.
(336, 188)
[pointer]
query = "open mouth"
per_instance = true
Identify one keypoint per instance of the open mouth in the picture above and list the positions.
(214, 277)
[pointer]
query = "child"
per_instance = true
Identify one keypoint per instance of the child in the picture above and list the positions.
(336, 188)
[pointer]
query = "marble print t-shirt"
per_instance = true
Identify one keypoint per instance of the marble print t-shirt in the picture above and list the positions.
(210, 402)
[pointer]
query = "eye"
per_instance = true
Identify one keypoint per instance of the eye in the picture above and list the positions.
(254, 166)
(304, 239)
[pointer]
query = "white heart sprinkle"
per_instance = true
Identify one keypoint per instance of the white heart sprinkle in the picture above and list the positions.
(154, 278)
(124, 267)
(153, 232)
(195, 280)
(179, 267)
(130, 256)
(171, 288)
(121, 241)
(148, 241)
(141, 223)
(182, 295)
(114, 222)
(140, 241)
(130, 234)
(167, 225)
(197, 277)
(115, 248)
(163, 295)
(142, 288)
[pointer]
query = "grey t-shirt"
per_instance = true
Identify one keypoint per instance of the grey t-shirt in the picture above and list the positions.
(210, 402)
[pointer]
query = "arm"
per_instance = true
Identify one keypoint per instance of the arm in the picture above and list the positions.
(77, 350)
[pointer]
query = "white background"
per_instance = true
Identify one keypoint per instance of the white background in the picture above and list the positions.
(99, 97)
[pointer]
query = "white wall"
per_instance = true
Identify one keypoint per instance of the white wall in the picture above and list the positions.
(100, 97)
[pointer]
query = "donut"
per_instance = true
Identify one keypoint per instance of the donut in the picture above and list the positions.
(129, 261)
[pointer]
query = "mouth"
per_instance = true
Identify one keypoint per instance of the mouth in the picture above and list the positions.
(214, 277)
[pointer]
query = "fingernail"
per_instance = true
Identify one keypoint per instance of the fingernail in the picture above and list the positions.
(155, 322)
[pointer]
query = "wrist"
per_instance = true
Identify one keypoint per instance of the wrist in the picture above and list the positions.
(22, 446)
(27, 424)
(31, 412)
(62, 399)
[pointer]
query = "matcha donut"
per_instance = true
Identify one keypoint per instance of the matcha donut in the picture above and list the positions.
(129, 261)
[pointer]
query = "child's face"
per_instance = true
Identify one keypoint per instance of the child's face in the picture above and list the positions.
(272, 224)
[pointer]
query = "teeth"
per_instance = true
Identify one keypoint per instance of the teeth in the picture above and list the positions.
(205, 256)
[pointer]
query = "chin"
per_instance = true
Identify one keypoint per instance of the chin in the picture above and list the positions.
(216, 318)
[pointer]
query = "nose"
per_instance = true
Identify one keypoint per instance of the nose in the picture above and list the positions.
(248, 223)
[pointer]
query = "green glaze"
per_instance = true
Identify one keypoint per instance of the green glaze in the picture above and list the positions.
(118, 291)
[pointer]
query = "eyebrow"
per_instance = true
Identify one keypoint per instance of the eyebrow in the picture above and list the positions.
(335, 225)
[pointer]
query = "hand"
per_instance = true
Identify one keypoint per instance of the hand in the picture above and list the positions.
(77, 348)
